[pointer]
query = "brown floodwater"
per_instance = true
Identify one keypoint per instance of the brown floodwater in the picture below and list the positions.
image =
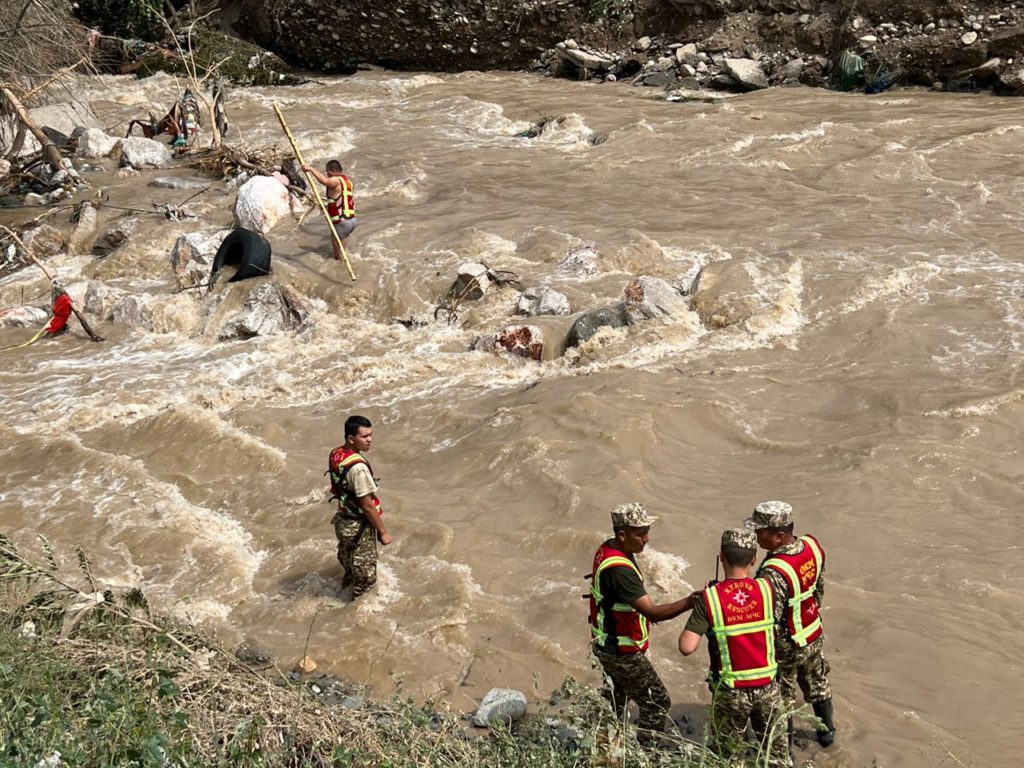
(876, 385)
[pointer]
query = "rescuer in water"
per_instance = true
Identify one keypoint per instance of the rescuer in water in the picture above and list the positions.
(341, 204)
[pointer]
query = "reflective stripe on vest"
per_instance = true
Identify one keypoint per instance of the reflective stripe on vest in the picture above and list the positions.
(746, 649)
(626, 618)
(347, 209)
(340, 460)
(802, 600)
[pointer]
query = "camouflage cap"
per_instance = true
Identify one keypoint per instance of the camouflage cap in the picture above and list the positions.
(632, 515)
(743, 538)
(770, 514)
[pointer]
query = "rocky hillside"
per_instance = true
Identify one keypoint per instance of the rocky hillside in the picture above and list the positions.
(922, 42)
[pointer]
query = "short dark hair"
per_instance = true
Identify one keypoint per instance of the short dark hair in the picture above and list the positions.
(334, 165)
(782, 529)
(738, 556)
(353, 424)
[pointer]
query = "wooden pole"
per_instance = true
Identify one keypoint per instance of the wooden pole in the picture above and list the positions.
(27, 252)
(50, 151)
(313, 188)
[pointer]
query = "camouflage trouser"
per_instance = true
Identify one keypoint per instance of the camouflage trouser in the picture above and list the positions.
(358, 558)
(805, 667)
(731, 708)
(633, 677)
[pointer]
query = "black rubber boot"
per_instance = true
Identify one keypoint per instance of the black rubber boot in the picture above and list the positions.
(823, 709)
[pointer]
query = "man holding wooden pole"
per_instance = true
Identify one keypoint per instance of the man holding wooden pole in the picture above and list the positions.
(341, 204)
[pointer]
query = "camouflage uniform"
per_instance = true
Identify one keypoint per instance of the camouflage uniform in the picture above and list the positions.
(731, 708)
(632, 675)
(358, 558)
(805, 667)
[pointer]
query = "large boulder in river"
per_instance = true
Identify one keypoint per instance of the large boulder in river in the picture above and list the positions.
(589, 323)
(760, 292)
(43, 241)
(100, 300)
(262, 202)
(197, 247)
(93, 143)
(116, 235)
(650, 297)
(134, 309)
(542, 300)
(139, 152)
(518, 340)
(22, 317)
(268, 309)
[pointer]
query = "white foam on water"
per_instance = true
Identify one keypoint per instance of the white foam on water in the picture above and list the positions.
(899, 281)
(568, 133)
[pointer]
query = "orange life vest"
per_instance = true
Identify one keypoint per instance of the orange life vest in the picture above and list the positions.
(630, 628)
(339, 464)
(742, 632)
(801, 572)
(347, 209)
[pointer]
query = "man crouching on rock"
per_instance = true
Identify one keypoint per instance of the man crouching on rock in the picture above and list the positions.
(620, 610)
(358, 522)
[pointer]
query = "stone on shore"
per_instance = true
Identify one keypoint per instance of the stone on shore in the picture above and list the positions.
(526, 341)
(500, 705)
(262, 202)
(591, 61)
(542, 300)
(747, 73)
(589, 323)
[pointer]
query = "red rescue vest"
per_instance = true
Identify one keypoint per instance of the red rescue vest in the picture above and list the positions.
(339, 464)
(347, 209)
(629, 626)
(61, 313)
(801, 572)
(743, 632)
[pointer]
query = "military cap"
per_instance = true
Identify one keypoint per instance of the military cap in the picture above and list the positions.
(770, 514)
(744, 538)
(632, 515)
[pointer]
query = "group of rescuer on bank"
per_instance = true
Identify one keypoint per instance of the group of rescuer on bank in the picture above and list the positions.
(764, 630)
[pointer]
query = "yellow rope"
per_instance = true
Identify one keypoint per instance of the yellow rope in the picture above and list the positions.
(31, 341)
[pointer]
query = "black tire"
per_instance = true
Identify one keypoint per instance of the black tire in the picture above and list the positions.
(249, 250)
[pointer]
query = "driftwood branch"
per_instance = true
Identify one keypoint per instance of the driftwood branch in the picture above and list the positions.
(50, 151)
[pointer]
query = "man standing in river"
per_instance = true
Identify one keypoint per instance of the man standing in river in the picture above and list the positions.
(341, 204)
(620, 610)
(358, 522)
(795, 568)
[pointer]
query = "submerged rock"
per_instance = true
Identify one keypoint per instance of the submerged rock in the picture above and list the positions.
(269, 309)
(525, 341)
(589, 323)
(542, 300)
(651, 297)
(472, 281)
(500, 705)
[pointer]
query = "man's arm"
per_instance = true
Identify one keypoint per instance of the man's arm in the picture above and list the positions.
(688, 642)
(663, 611)
(85, 324)
(328, 181)
(370, 512)
(819, 588)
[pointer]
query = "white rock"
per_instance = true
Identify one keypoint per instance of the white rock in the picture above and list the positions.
(93, 143)
(650, 297)
(140, 152)
(542, 301)
(642, 44)
(100, 300)
(261, 203)
(22, 317)
(580, 261)
(867, 41)
(500, 705)
(687, 70)
(33, 199)
(747, 73)
(930, 27)
(687, 54)
(43, 241)
(968, 38)
(268, 309)
(5, 167)
(196, 246)
(134, 309)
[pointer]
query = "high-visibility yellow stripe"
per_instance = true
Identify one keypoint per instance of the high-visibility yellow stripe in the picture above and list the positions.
(598, 633)
(729, 676)
(800, 632)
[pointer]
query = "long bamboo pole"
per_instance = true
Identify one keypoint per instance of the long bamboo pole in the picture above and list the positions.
(50, 151)
(313, 188)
